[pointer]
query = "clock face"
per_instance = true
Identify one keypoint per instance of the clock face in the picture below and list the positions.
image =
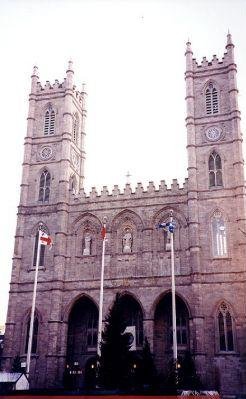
(46, 152)
(213, 134)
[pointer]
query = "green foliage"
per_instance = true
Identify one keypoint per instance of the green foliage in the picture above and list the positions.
(148, 370)
(115, 358)
(16, 366)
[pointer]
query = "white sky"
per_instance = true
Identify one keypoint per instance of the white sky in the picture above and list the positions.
(131, 56)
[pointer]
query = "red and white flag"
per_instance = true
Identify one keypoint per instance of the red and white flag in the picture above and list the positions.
(45, 239)
(103, 232)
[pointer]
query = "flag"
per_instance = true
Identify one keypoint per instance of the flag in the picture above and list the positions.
(103, 232)
(45, 239)
(169, 226)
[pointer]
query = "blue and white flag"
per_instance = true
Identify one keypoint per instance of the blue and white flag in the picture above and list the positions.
(169, 226)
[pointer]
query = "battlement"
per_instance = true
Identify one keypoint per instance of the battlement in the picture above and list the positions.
(130, 193)
(49, 88)
(214, 63)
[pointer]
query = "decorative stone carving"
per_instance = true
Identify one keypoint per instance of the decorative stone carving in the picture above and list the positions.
(75, 160)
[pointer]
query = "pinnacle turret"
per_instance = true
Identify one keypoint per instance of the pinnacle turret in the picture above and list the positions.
(69, 73)
(34, 79)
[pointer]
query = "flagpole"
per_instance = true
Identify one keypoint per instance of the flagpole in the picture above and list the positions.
(30, 338)
(175, 350)
(99, 338)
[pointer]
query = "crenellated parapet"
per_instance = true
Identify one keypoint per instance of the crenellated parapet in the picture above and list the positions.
(49, 88)
(215, 62)
(129, 192)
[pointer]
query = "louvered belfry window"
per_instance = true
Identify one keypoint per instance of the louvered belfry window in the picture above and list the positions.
(215, 170)
(49, 121)
(44, 187)
(211, 97)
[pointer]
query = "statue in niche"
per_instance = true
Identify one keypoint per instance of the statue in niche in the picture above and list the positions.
(87, 242)
(127, 241)
(167, 240)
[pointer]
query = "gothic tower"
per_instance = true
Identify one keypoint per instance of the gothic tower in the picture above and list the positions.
(216, 197)
(53, 169)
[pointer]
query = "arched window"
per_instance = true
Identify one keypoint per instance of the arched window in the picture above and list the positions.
(35, 334)
(49, 121)
(44, 187)
(42, 249)
(225, 327)
(75, 128)
(211, 96)
(219, 235)
(215, 170)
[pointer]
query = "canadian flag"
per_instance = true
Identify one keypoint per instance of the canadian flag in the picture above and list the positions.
(45, 239)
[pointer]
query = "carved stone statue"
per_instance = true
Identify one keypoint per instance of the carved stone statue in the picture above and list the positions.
(127, 242)
(87, 247)
(168, 241)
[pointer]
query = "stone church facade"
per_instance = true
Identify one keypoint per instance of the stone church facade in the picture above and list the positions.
(209, 239)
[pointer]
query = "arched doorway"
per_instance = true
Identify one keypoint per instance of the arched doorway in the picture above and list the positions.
(132, 315)
(81, 340)
(163, 340)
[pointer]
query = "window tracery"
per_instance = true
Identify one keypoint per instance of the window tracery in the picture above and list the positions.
(215, 170)
(44, 187)
(225, 326)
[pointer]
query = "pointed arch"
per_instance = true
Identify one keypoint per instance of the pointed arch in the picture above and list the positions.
(163, 328)
(44, 186)
(219, 234)
(35, 234)
(225, 328)
(86, 229)
(82, 331)
(211, 98)
(215, 170)
(49, 120)
(161, 238)
(36, 327)
(126, 232)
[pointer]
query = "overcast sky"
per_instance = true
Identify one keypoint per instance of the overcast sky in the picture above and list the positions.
(130, 54)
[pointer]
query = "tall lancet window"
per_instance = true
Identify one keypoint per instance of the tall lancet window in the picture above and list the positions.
(35, 334)
(211, 97)
(225, 326)
(42, 247)
(75, 128)
(219, 235)
(49, 121)
(44, 187)
(215, 170)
